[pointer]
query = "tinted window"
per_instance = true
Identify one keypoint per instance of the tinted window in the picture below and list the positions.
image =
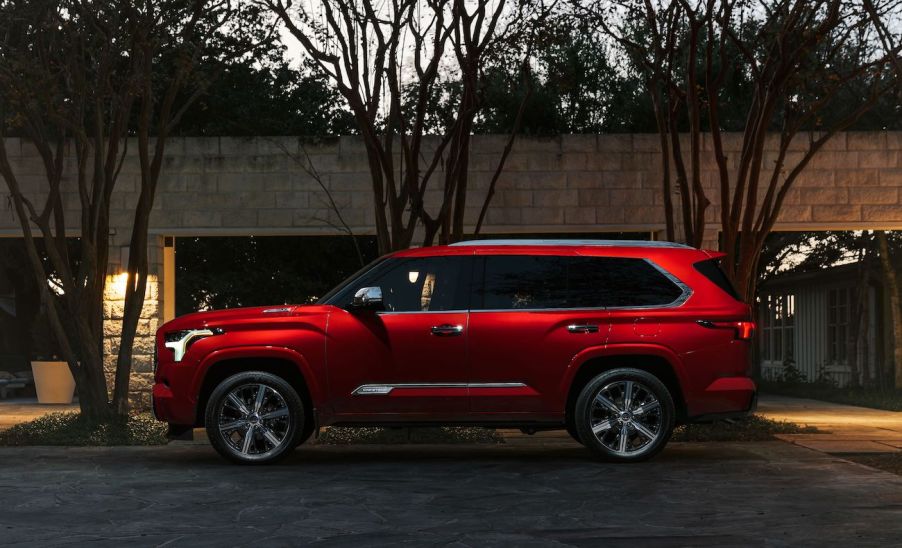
(529, 282)
(417, 285)
(711, 269)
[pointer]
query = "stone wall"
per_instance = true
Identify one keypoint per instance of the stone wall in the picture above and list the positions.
(571, 183)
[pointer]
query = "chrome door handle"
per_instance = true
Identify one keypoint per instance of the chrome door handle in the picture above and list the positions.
(447, 330)
(582, 328)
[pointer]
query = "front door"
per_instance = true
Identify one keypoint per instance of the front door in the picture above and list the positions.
(411, 357)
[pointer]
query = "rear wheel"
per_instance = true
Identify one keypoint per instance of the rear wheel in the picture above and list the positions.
(255, 418)
(624, 415)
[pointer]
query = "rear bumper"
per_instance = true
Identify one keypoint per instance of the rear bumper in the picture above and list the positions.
(725, 398)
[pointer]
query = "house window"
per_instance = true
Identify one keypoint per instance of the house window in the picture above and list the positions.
(838, 306)
(777, 327)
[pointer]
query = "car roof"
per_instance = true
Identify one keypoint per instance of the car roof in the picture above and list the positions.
(557, 242)
(550, 246)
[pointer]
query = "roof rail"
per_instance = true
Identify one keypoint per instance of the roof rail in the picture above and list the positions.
(553, 242)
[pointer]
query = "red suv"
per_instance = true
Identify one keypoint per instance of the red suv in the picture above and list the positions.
(615, 341)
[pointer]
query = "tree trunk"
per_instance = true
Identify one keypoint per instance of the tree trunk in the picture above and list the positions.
(895, 302)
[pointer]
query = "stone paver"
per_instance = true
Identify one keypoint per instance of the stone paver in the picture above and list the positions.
(844, 428)
(700, 494)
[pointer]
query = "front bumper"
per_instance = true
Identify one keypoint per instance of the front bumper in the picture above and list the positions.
(169, 408)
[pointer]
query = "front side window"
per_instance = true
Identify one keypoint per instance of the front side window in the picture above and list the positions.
(511, 282)
(425, 284)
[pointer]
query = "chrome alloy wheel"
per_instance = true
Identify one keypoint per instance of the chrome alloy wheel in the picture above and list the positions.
(254, 420)
(625, 416)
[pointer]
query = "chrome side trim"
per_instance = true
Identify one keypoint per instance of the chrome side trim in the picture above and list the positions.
(385, 389)
(392, 312)
(275, 310)
(180, 346)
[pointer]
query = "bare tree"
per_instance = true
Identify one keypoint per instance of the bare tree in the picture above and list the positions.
(389, 61)
(804, 61)
(77, 78)
(891, 283)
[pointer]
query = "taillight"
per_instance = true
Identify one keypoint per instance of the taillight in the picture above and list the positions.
(743, 330)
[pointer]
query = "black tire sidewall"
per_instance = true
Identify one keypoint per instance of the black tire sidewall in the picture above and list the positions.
(297, 427)
(587, 395)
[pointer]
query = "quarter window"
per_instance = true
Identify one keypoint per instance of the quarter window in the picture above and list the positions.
(541, 282)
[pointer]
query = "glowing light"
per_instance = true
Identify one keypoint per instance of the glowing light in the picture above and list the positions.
(413, 276)
(115, 286)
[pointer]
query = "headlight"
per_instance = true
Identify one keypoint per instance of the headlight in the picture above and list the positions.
(180, 341)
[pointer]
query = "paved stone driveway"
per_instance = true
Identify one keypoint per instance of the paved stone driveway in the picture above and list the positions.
(694, 494)
(843, 428)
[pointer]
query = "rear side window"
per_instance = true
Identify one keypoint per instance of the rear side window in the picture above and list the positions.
(541, 282)
(711, 269)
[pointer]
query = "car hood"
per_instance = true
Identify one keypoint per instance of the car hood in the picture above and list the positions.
(233, 316)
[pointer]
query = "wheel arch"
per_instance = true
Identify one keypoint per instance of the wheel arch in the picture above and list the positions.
(284, 363)
(656, 360)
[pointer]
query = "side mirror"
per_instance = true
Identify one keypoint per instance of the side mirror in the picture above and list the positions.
(367, 298)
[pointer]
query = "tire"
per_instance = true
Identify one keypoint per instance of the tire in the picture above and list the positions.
(277, 423)
(624, 434)
(571, 429)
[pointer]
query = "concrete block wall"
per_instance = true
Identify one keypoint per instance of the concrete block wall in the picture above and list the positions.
(569, 183)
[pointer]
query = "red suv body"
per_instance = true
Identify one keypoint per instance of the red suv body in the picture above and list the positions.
(615, 341)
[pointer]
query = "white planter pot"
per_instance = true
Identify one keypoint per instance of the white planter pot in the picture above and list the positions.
(53, 382)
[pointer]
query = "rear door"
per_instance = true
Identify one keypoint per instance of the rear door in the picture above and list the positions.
(530, 315)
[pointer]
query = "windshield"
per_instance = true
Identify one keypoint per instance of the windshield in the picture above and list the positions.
(325, 299)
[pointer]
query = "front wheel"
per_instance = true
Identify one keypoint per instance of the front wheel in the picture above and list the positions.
(255, 418)
(624, 415)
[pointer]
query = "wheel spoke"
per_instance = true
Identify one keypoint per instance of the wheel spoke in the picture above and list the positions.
(261, 395)
(267, 433)
(628, 396)
(643, 430)
(234, 425)
(603, 426)
(248, 438)
(603, 401)
(624, 436)
(238, 404)
(646, 407)
(283, 412)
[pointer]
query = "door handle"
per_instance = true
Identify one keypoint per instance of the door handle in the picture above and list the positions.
(582, 328)
(447, 330)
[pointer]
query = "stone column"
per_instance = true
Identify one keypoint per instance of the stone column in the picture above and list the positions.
(113, 308)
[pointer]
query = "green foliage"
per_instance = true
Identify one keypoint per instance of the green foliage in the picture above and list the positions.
(74, 430)
(576, 85)
(751, 428)
(812, 251)
(791, 373)
(226, 272)
(252, 98)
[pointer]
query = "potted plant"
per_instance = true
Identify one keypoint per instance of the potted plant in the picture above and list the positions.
(53, 380)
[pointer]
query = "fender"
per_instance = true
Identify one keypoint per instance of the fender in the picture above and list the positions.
(278, 352)
(625, 349)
